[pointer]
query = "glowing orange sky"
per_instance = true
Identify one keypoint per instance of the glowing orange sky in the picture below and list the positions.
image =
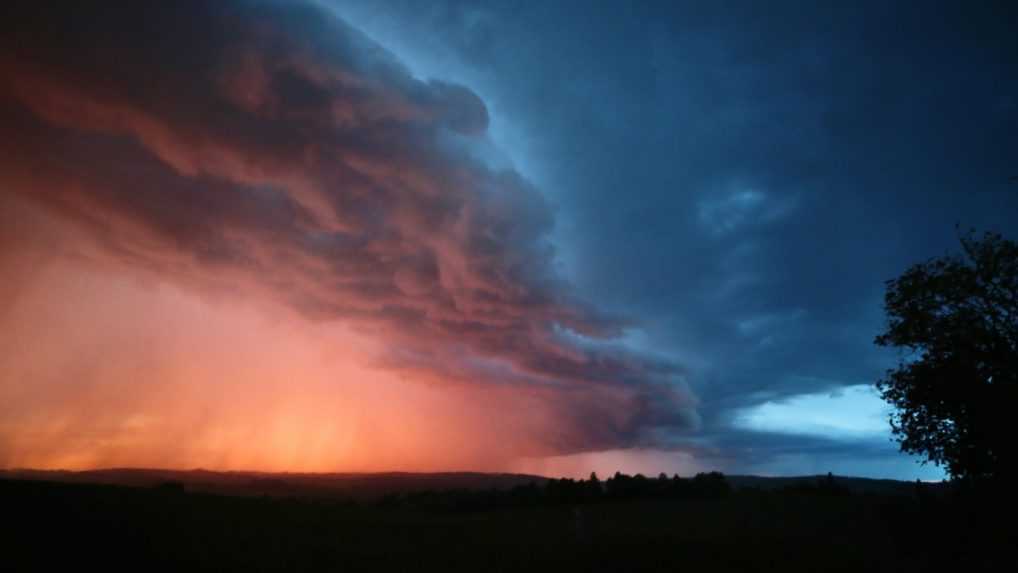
(104, 370)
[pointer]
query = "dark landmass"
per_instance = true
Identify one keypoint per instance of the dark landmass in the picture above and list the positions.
(371, 486)
(163, 521)
(852, 484)
(353, 486)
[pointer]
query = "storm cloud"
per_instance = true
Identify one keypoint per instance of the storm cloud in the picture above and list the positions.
(269, 150)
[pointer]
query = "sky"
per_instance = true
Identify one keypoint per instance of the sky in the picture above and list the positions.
(549, 237)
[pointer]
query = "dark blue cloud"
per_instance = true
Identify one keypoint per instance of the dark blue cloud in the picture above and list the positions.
(742, 177)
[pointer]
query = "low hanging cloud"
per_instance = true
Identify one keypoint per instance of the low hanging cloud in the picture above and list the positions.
(269, 150)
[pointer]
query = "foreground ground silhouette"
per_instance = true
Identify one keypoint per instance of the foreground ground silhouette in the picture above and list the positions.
(809, 527)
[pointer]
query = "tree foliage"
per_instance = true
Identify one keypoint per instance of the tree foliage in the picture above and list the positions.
(955, 319)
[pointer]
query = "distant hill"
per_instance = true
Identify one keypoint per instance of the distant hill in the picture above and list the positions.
(358, 486)
(852, 484)
(370, 486)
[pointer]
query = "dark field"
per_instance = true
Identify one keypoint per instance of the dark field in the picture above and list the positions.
(46, 525)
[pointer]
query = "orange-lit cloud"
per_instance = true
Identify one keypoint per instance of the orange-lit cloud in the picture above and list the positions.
(243, 235)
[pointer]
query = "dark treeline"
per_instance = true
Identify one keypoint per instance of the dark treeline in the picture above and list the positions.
(561, 491)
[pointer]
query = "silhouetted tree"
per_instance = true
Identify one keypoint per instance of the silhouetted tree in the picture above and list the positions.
(594, 489)
(956, 319)
(710, 485)
(677, 487)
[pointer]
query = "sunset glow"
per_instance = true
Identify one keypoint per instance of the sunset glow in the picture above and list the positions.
(136, 383)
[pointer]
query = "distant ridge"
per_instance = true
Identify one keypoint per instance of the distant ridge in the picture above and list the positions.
(374, 485)
(360, 486)
(852, 484)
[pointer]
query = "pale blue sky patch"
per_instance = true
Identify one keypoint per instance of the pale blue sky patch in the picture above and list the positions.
(850, 413)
